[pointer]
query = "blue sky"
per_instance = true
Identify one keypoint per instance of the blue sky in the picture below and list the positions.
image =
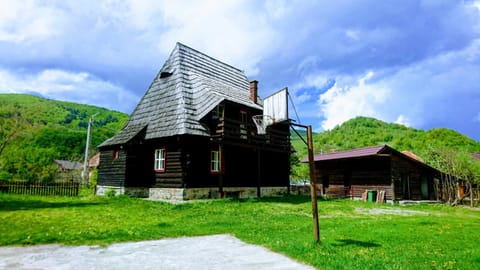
(412, 62)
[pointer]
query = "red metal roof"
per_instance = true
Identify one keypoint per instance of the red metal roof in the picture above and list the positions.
(368, 152)
(412, 155)
(359, 152)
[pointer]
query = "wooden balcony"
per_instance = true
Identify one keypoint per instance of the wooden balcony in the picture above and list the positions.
(232, 130)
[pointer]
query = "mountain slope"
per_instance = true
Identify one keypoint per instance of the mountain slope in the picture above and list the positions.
(36, 131)
(364, 131)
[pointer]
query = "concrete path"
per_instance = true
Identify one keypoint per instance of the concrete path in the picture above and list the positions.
(205, 252)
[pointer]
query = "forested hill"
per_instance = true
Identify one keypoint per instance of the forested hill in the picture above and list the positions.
(364, 131)
(35, 131)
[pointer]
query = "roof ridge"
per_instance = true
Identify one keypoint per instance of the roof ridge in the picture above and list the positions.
(381, 146)
(179, 44)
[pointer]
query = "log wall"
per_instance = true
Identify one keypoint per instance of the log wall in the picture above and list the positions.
(111, 171)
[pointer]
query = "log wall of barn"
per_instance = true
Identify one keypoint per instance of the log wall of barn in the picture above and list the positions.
(406, 169)
(351, 177)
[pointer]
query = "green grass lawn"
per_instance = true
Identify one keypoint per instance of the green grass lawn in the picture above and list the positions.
(354, 235)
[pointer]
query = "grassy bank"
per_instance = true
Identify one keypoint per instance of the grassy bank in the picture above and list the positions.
(355, 235)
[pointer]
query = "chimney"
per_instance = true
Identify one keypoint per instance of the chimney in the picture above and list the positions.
(254, 91)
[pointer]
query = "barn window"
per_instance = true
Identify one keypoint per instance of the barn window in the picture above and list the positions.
(160, 160)
(215, 161)
(115, 154)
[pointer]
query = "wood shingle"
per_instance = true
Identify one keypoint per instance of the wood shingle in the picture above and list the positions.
(189, 85)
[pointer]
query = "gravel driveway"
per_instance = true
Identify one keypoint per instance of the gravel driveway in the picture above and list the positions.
(205, 252)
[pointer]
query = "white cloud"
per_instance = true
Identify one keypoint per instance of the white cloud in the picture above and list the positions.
(26, 21)
(402, 120)
(343, 102)
(231, 31)
(63, 85)
(435, 90)
(352, 34)
(476, 4)
(302, 98)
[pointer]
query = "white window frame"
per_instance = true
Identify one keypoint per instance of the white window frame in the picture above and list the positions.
(160, 160)
(215, 161)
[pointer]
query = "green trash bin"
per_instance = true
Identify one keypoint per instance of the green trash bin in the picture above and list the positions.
(372, 196)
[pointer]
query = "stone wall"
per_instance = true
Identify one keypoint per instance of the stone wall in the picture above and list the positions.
(180, 194)
(130, 191)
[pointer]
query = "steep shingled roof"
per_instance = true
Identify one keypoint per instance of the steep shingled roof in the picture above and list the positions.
(189, 85)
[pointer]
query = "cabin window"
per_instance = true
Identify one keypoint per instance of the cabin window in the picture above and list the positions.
(215, 161)
(115, 154)
(160, 160)
(243, 124)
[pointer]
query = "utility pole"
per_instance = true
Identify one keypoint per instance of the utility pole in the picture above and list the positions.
(87, 144)
(313, 189)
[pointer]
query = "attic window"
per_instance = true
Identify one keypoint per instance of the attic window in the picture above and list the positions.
(165, 74)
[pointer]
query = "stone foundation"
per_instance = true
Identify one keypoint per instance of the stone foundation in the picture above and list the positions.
(130, 191)
(182, 194)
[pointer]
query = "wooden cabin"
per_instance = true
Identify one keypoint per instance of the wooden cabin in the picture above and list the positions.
(401, 176)
(192, 136)
(68, 170)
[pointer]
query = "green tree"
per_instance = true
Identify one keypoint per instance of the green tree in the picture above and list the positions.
(31, 164)
(12, 124)
(457, 167)
(467, 169)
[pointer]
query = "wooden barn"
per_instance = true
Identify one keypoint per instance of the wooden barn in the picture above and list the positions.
(401, 176)
(192, 136)
(68, 170)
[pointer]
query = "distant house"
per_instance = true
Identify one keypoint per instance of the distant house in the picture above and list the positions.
(402, 176)
(69, 170)
(192, 136)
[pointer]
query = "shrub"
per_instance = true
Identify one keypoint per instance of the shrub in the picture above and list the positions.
(110, 192)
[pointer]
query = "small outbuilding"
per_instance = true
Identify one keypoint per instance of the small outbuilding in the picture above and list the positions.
(382, 169)
(69, 170)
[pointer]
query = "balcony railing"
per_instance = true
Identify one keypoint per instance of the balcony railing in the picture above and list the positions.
(235, 130)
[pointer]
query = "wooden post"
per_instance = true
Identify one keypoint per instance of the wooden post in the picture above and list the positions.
(259, 173)
(313, 188)
(220, 176)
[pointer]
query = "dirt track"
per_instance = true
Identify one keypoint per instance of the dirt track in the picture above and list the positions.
(206, 252)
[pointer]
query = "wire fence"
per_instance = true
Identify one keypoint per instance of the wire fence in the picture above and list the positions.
(67, 188)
